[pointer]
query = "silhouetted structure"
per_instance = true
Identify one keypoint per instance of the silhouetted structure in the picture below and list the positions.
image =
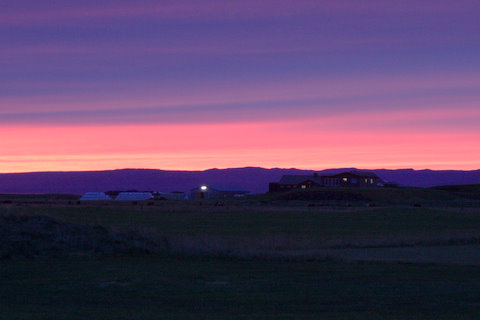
(205, 192)
(134, 196)
(345, 179)
(175, 195)
(95, 196)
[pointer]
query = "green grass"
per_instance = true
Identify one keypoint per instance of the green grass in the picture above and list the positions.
(148, 288)
(201, 287)
(261, 221)
(440, 196)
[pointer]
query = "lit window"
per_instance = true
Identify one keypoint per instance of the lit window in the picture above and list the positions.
(345, 179)
(304, 186)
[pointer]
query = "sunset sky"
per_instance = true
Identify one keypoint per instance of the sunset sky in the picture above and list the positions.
(94, 85)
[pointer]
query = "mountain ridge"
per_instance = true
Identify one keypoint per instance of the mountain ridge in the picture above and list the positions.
(254, 179)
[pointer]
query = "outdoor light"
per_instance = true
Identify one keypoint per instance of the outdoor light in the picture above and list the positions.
(203, 188)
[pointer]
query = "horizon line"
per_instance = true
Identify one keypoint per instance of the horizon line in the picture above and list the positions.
(233, 168)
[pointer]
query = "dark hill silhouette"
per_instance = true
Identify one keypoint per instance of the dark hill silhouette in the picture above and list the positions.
(250, 178)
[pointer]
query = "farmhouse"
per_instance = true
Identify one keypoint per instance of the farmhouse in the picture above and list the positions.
(355, 178)
(289, 182)
(205, 191)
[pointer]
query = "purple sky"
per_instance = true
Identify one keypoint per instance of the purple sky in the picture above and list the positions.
(344, 69)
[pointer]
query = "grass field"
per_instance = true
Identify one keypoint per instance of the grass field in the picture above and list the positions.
(272, 285)
(321, 223)
(149, 288)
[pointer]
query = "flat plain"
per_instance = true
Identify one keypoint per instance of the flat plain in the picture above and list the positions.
(261, 257)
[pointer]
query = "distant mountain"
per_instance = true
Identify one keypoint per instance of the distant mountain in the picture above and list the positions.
(250, 178)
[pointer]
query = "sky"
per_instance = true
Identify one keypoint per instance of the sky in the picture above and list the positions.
(192, 85)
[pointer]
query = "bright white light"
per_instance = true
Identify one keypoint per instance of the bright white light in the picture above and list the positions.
(203, 188)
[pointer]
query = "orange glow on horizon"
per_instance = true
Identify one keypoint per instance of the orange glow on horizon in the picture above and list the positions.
(102, 85)
(301, 144)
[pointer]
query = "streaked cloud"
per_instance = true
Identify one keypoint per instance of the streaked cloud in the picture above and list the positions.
(46, 12)
(284, 83)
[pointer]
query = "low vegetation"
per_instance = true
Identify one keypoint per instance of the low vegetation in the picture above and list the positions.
(260, 257)
(446, 196)
(24, 237)
(201, 288)
(238, 229)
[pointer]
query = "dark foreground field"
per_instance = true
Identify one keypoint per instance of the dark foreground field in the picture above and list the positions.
(246, 259)
(201, 288)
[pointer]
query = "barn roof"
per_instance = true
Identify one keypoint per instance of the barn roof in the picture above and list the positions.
(95, 196)
(364, 173)
(133, 196)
